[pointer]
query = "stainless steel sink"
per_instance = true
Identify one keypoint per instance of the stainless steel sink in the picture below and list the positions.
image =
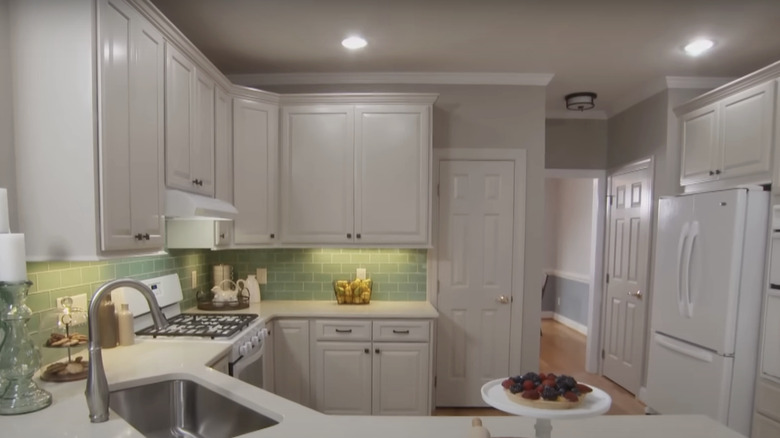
(183, 408)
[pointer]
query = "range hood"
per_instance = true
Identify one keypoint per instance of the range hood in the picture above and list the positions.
(183, 205)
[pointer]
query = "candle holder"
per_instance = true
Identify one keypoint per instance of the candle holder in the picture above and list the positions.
(19, 356)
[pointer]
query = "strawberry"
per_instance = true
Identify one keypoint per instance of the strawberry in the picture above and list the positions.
(531, 395)
(570, 396)
(542, 376)
(551, 376)
(507, 383)
(584, 389)
(528, 385)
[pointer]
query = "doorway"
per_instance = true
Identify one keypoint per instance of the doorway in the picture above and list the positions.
(575, 206)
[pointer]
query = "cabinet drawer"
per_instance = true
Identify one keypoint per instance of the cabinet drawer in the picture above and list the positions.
(764, 427)
(402, 331)
(768, 399)
(342, 330)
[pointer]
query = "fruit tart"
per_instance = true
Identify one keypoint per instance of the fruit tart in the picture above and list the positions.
(545, 391)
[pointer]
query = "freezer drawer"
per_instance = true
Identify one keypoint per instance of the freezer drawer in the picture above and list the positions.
(684, 379)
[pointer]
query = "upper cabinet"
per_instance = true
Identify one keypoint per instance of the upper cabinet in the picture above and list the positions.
(255, 166)
(90, 183)
(728, 135)
(356, 170)
(189, 125)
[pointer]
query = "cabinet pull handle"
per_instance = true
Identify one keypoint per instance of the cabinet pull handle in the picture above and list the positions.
(376, 351)
(139, 236)
(272, 235)
(343, 330)
(357, 235)
(712, 173)
(401, 332)
(221, 235)
(146, 236)
(717, 171)
(366, 350)
(349, 235)
(195, 182)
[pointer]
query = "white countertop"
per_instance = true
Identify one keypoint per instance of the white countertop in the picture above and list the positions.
(153, 360)
(330, 309)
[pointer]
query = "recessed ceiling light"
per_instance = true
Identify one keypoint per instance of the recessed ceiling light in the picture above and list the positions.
(354, 42)
(697, 47)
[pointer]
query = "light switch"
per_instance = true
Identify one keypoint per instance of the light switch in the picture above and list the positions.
(361, 273)
(262, 275)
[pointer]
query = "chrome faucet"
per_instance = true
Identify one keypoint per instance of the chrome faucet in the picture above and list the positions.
(97, 385)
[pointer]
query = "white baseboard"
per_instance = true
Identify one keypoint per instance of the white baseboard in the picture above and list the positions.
(548, 314)
(571, 324)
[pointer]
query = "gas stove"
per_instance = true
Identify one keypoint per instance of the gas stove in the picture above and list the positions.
(213, 325)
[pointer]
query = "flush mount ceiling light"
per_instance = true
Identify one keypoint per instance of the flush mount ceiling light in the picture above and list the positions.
(697, 47)
(580, 101)
(354, 42)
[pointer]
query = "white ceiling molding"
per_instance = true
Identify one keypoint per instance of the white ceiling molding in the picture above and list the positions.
(531, 79)
(568, 114)
(662, 83)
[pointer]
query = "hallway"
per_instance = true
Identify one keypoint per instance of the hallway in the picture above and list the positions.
(563, 352)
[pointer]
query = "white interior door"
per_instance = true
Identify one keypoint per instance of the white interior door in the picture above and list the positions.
(476, 216)
(627, 269)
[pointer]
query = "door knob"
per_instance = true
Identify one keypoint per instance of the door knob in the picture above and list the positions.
(637, 294)
(503, 299)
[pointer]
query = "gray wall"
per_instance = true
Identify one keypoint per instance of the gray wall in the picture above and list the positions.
(7, 164)
(567, 298)
(484, 116)
(575, 144)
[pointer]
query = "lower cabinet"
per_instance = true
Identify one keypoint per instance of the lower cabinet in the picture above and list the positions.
(763, 427)
(400, 379)
(291, 359)
(341, 377)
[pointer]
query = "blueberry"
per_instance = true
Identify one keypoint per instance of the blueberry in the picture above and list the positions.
(550, 393)
(514, 389)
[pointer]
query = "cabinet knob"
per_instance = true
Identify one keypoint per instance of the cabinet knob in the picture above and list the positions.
(146, 236)
(712, 173)
(376, 351)
(195, 182)
(366, 351)
(139, 236)
(717, 171)
(357, 235)
(221, 235)
(349, 235)
(272, 235)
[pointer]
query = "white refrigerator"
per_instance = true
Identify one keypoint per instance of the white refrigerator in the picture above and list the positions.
(708, 280)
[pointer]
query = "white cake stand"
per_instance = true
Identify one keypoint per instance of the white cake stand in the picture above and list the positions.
(595, 403)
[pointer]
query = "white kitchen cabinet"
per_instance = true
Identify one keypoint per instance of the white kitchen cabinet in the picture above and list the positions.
(189, 125)
(341, 377)
(392, 150)
(291, 360)
(317, 174)
(356, 171)
(87, 129)
(131, 87)
(256, 161)
(770, 352)
(223, 145)
(729, 139)
(764, 427)
(400, 378)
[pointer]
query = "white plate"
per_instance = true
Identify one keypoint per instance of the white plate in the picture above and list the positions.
(595, 403)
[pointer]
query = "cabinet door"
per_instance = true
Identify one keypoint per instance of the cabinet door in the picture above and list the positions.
(770, 362)
(341, 377)
(400, 379)
(223, 146)
(747, 121)
(317, 174)
(392, 150)
(256, 177)
(179, 119)
(700, 145)
(131, 123)
(291, 360)
(202, 146)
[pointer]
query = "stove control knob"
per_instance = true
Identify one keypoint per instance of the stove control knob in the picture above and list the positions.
(242, 350)
(255, 340)
(248, 346)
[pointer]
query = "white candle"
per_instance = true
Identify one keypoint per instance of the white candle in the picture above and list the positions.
(5, 226)
(13, 261)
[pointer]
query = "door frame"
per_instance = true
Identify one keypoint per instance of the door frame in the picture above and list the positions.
(518, 156)
(649, 164)
(597, 261)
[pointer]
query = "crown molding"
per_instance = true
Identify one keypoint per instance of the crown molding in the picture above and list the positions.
(252, 93)
(695, 82)
(660, 84)
(357, 98)
(530, 79)
(568, 114)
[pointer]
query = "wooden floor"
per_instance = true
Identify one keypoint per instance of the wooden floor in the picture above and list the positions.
(563, 352)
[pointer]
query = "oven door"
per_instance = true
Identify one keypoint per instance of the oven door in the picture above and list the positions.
(249, 368)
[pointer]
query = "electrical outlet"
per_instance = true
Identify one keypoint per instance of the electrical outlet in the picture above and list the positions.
(78, 301)
(361, 273)
(262, 275)
(194, 279)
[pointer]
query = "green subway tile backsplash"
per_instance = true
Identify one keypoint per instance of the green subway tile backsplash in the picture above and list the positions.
(307, 274)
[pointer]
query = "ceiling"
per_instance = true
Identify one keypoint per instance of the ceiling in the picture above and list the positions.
(612, 47)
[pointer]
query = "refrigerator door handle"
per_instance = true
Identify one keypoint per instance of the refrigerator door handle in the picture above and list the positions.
(682, 348)
(681, 243)
(694, 231)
